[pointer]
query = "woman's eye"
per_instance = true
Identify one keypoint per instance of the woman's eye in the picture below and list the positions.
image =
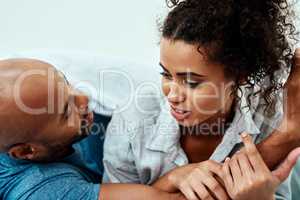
(166, 75)
(191, 84)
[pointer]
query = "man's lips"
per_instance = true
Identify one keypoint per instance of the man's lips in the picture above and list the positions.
(87, 123)
(180, 114)
(90, 118)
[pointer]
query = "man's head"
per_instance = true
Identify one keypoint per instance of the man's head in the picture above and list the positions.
(41, 115)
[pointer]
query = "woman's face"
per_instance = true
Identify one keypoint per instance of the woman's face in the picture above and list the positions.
(197, 89)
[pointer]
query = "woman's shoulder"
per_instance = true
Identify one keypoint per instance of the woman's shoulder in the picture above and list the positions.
(143, 105)
(143, 110)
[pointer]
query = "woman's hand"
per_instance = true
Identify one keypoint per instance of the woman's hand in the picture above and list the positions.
(246, 176)
(198, 181)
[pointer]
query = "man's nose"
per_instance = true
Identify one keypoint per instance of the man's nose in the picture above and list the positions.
(81, 101)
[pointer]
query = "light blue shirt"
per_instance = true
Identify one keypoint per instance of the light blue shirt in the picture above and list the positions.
(143, 142)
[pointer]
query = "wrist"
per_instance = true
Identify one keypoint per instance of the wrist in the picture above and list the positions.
(172, 181)
(166, 183)
(177, 196)
(271, 198)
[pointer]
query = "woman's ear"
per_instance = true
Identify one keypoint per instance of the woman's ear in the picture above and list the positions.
(22, 151)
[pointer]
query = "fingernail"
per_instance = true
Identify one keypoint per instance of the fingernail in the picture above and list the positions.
(244, 135)
(227, 159)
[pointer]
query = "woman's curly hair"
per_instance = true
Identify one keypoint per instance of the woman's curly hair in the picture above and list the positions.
(249, 37)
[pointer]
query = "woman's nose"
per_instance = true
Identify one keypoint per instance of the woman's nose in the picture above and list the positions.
(175, 95)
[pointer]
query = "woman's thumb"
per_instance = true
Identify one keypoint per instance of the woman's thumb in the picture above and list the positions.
(284, 169)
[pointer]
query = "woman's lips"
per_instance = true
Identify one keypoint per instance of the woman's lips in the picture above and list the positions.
(180, 115)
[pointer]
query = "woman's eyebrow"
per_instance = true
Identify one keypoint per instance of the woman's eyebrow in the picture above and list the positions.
(164, 68)
(189, 74)
(183, 73)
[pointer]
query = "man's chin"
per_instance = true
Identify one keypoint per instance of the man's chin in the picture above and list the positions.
(80, 138)
(54, 155)
(61, 154)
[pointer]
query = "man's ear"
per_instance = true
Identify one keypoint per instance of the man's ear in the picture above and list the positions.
(22, 151)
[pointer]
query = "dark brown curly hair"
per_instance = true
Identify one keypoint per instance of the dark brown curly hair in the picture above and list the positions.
(249, 37)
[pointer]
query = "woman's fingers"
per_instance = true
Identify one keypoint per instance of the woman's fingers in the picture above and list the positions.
(284, 169)
(192, 187)
(215, 188)
(188, 192)
(252, 153)
(201, 191)
(235, 170)
(214, 166)
(227, 177)
(246, 168)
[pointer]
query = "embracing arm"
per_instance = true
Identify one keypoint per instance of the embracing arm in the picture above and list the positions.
(287, 136)
(134, 192)
(166, 182)
(278, 145)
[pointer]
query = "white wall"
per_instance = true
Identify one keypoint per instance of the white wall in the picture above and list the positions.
(114, 27)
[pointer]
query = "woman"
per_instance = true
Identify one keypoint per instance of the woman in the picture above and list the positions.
(223, 64)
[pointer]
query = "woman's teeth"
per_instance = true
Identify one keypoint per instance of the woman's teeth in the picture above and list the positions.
(180, 111)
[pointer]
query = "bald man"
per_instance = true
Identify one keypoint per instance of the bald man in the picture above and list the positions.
(41, 118)
(49, 146)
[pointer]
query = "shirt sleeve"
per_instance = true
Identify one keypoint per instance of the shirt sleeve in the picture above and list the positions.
(284, 190)
(295, 181)
(54, 183)
(119, 165)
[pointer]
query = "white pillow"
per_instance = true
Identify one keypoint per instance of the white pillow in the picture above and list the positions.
(111, 82)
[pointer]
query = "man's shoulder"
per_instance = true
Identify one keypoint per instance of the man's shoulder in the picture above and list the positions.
(11, 170)
(18, 178)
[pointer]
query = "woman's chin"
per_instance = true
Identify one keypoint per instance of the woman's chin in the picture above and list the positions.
(188, 123)
(192, 121)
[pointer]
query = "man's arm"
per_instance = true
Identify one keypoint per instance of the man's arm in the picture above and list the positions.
(287, 137)
(277, 146)
(62, 181)
(135, 192)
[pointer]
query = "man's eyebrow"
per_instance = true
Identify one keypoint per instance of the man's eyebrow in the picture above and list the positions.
(164, 68)
(189, 74)
(63, 76)
(66, 107)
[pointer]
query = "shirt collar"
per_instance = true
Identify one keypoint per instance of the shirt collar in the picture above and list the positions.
(165, 135)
